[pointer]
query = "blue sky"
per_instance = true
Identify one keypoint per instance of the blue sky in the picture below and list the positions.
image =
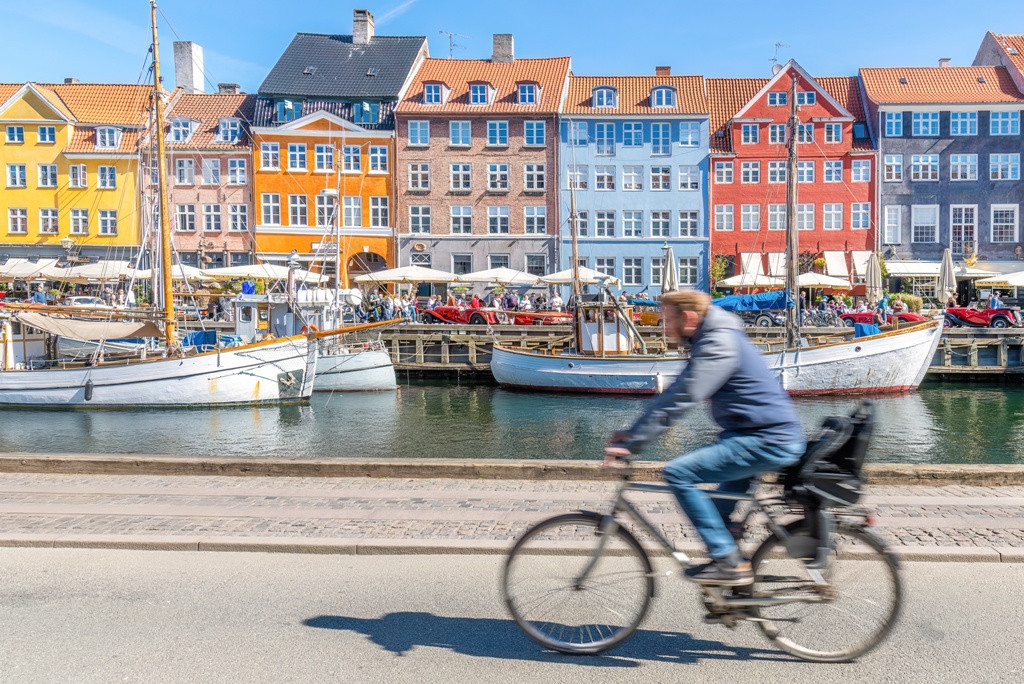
(106, 40)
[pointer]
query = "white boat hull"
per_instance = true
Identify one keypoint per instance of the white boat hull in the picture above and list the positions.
(890, 362)
(358, 370)
(268, 372)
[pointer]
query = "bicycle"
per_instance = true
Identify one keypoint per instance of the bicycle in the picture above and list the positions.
(581, 583)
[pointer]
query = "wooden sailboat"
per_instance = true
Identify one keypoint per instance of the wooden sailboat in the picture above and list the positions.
(269, 371)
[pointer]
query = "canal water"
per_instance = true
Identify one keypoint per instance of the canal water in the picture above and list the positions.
(941, 423)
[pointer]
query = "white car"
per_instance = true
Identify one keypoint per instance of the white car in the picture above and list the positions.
(87, 303)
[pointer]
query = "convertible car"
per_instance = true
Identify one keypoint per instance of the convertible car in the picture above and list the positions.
(492, 316)
(968, 316)
(851, 319)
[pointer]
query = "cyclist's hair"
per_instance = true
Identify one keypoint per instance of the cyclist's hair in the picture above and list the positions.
(687, 300)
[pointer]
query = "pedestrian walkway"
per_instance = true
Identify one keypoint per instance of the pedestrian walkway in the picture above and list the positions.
(377, 515)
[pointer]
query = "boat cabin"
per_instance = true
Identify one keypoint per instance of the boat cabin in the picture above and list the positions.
(605, 327)
(260, 315)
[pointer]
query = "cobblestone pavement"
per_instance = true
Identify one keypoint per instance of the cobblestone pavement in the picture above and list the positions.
(69, 507)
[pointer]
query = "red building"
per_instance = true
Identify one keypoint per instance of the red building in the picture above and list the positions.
(836, 173)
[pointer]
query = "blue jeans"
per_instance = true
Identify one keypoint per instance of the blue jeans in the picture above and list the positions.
(733, 461)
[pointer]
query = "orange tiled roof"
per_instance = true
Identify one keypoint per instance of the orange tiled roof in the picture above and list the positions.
(928, 85)
(105, 103)
(457, 74)
(634, 95)
(209, 109)
(83, 140)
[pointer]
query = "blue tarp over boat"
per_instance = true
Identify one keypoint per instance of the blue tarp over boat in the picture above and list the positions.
(754, 302)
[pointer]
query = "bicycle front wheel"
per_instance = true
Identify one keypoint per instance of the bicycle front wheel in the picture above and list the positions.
(556, 605)
(846, 619)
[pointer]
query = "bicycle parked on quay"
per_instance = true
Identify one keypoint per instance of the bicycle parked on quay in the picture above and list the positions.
(826, 587)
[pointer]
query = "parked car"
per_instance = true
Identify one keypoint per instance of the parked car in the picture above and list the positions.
(492, 316)
(968, 316)
(851, 319)
(84, 302)
(763, 319)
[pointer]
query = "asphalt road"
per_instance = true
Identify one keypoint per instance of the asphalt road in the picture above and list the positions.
(82, 615)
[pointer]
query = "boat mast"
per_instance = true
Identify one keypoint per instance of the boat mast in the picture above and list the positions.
(161, 155)
(792, 268)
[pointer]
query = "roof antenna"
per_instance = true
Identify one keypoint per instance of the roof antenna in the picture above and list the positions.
(452, 45)
(775, 60)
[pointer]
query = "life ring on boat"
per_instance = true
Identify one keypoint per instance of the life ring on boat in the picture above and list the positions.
(309, 328)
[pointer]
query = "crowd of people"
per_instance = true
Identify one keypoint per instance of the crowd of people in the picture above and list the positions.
(383, 306)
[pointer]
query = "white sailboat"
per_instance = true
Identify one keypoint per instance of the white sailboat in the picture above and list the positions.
(277, 370)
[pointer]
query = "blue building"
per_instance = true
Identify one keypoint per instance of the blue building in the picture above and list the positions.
(636, 148)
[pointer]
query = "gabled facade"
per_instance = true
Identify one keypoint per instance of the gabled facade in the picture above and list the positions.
(1003, 50)
(477, 150)
(636, 150)
(949, 145)
(70, 157)
(836, 172)
(323, 146)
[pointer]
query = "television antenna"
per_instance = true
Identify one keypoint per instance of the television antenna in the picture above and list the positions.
(775, 60)
(452, 45)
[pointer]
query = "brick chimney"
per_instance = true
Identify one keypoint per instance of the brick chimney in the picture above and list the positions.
(71, 80)
(662, 71)
(944, 61)
(189, 74)
(362, 26)
(228, 89)
(504, 48)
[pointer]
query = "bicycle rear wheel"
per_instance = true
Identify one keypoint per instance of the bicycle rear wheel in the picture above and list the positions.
(557, 609)
(860, 608)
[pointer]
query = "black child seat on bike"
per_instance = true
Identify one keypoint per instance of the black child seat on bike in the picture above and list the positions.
(829, 472)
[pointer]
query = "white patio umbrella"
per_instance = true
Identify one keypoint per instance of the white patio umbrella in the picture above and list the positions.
(669, 272)
(178, 272)
(408, 274)
(263, 271)
(947, 275)
(1015, 279)
(873, 280)
(750, 280)
(819, 280)
(23, 269)
(588, 276)
(500, 276)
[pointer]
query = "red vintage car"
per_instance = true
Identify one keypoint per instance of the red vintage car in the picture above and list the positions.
(968, 316)
(851, 319)
(492, 316)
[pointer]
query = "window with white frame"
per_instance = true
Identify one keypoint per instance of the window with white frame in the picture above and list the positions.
(238, 171)
(498, 261)
(963, 227)
(750, 217)
(1004, 166)
(833, 171)
(689, 178)
(181, 130)
(663, 97)
(184, 218)
(497, 220)
(380, 212)
(632, 134)
(807, 97)
(296, 156)
(661, 178)
(419, 133)
(604, 177)
(860, 215)
(723, 172)
(578, 134)
(1004, 222)
(270, 155)
(478, 93)
(211, 171)
(963, 123)
(15, 135)
(462, 263)
(833, 216)
(461, 220)
(47, 175)
(604, 138)
(860, 171)
(689, 223)
(238, 218)
(578, 176)
(778, 98)
(724, 217)
(605, 265)
(298, 210)
(893, 169)
(77, 176)
(833, 132)
(46, 134)
(106, 177)
(419, 176)
(776, 217)
(604, 223)
(211, 218)
(777, 134)
(229, 130)
(432, 94)
(805, 217)
(497, 133)
(460, 133)
(17, 221)
(892, 224)
(657, 268)
(805, 172)
(16, 176)
(108, 138)
(378, 159)
(689, 133)
(893, 124)
(497, 177)
(48, 224)
(661, 223)
(604, 97)
(535, 220)
(688, 270)
(633, 223)
(661, 138)
(461, 177)
(924, 124)
(805, 133)
(419, 219)
(924, 223)
(632, 271)
(80, 220)
(924, 167)
(271, 208)
(963, 167)
(632, 178)
(352, 211)
(535, 133)
(324, 157)
(778, 172)
(184, 172)
(750, 172)
(750, 134)
(1004, 123)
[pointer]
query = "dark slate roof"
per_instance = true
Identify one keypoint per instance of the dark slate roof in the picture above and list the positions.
(340, 67)
(264, 115)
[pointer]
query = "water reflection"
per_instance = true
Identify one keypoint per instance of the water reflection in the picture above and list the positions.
(943, 423)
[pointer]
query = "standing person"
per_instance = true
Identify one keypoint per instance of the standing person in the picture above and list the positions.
(39, 296)
(898, 305)
(994, 302)
(951, 302)
(760, 429)
(474, 303)
(556, 302)
(451, 299)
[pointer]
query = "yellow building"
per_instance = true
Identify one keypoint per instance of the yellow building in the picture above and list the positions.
(70, 158)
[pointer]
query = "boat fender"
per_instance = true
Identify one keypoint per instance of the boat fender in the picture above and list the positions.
(309, 328)
(88, 390)
(572, 365)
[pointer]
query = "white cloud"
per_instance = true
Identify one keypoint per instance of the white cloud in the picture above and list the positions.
(76, 17)
(394, 12)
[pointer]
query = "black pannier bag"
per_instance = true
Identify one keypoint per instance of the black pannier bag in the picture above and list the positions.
(830, 471)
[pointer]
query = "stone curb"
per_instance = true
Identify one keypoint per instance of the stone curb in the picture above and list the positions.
(646, 471)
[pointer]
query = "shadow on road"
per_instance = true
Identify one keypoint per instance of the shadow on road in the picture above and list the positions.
(493, 638)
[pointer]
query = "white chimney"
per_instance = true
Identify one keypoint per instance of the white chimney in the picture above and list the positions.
(504, 48)
(944, 61)
(189, 74)
(229, 89)
(362, 26)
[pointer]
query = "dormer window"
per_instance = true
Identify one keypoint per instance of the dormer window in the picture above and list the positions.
(108, 138)
(365, 112)
(433, 94)
(288, 110)
(229, 130)
(663, 97)
(478, 93)
(181, 130)
(527, 93)
(605, 97)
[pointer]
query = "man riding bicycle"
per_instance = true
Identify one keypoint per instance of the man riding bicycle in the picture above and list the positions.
(760, 429)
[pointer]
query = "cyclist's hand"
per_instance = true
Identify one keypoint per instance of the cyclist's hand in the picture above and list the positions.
(612, 455)
(619, 437)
